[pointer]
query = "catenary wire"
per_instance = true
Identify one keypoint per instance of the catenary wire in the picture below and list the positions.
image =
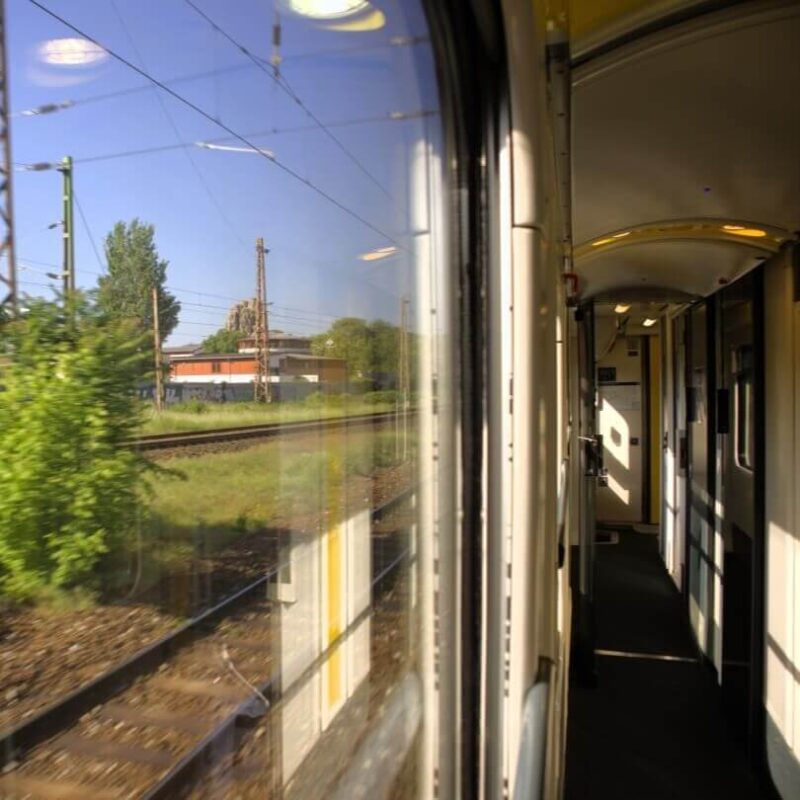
(264, 132)
(206, 115)
(397, 41)
(283, 84)
(171, 122)
(100, 262)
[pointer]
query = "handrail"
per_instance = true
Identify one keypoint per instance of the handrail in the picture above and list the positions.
(529, 782)
(380, 757)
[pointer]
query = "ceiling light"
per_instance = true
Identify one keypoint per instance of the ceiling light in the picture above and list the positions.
(621, 235)
(621, 308)
(327, 9)
(649, 322)
(378, 253)
(71, 52)
(740, 230)
(603, 241)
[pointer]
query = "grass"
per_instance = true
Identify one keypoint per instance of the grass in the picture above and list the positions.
(275, 485)
(197, 416)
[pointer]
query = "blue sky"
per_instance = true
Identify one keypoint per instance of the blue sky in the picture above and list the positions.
(209, 206)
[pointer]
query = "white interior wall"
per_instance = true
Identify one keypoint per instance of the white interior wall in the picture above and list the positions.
(782, 527)
(621, 423)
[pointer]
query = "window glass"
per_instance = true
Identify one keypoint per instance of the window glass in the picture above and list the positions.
(217, 399)
(745, 420)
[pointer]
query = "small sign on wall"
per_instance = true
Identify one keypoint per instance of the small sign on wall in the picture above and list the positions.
(607, 374)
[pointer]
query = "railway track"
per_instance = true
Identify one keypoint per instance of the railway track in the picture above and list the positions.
(101, 722)
(167, 441)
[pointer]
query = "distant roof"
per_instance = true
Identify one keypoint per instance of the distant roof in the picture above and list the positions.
(219, 356)
(311, 357)
(181, 348)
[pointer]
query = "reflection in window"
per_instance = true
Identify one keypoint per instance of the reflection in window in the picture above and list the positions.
(218, 421)
(744, 411)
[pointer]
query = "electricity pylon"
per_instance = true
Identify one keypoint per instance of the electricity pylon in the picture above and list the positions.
(262, 392)
(8, 264)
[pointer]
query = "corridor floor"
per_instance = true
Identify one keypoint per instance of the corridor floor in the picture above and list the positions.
(653, 728)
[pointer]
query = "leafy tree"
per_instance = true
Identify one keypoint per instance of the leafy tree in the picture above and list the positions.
(70, 485)
(134, 268)
(371, 349)
(347, 338)
(223, 341)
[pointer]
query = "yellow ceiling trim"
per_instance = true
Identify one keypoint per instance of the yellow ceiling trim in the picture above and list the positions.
(741, 232)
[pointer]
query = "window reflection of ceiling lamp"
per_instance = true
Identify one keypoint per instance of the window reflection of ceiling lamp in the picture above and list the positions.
(71, 52)
(378, 253)
(340, 15)
(327, 9)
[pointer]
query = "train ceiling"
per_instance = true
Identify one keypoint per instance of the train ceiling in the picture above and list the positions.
(685, 143)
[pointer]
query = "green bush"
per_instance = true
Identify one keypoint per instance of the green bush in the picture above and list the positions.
(70, 485)
(193, 406)
(388, 396)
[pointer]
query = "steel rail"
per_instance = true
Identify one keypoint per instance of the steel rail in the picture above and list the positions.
(17, 741)
(201, 757)
(163, 441)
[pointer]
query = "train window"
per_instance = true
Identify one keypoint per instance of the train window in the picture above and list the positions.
(744, 410)
(247, 190)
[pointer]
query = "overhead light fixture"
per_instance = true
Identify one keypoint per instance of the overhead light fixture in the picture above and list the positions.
(378, 253)
(327, 9)
(608, 239)
(741, 230)
(649, 322)
(622, 308)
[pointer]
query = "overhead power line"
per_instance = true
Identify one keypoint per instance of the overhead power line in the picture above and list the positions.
(49, 108)
(171, 122)
(392, 116)
(88, 230)
(283, 84)
(206, 115)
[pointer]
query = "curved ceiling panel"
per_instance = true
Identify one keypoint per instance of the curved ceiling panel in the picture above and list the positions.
(693, 267)
(594, 24)
(698, 121)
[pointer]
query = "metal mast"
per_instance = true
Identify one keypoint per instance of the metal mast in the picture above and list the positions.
(261, 387)
(159, 398)
(404, 376)
(8, 264)
(68, 229)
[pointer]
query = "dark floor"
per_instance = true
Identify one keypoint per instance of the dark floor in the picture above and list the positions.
(651, 729)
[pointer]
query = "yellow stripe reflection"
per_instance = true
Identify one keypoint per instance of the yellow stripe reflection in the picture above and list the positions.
(334, 613)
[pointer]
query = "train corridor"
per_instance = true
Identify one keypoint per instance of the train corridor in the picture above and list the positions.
(653, 726)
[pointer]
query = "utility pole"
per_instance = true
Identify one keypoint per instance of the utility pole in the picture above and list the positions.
(68, 231)
(157, 349)
(262, 393)
(8, 264)
(404, 373)
(276, 58)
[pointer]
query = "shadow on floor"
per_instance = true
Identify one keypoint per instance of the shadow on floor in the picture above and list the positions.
(652, 729)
